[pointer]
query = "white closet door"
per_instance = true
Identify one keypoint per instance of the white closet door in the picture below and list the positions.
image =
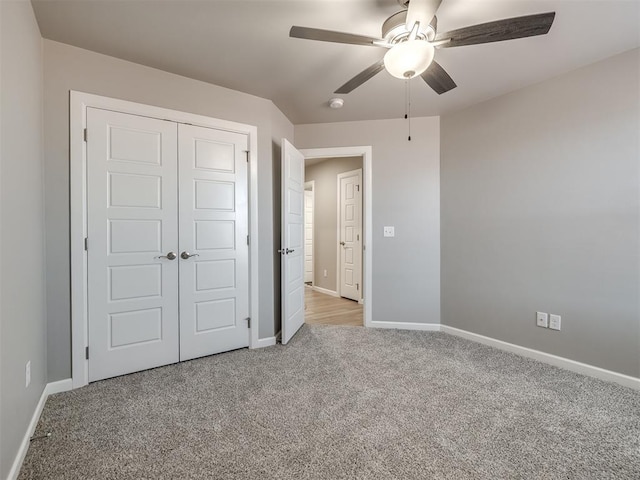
(214, 280)
(131, 222)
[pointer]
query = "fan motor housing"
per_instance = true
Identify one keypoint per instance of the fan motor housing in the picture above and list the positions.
(394, 28)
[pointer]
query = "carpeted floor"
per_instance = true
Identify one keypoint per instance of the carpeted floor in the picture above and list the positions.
(344, 402)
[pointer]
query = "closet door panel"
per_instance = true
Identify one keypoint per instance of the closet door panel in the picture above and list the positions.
(132, 224)
(214, 263)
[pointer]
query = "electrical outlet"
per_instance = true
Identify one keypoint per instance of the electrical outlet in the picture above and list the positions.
(542, 319)
(389, 232)
(27, 374)
(554, 321)
(325, 274)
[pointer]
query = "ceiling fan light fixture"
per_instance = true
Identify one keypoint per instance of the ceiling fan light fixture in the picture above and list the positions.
(409, 59)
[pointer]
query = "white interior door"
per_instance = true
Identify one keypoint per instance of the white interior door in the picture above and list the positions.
(214, 250)
(350, 227)
(131, 224)
(308, 236)
(292, 242)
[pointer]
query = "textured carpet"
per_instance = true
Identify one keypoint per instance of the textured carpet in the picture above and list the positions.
(344, 402)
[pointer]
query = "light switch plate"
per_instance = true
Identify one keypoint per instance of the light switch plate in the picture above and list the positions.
(554, 321)
(389, 231)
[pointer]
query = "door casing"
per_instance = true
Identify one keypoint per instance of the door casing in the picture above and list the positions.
(78, 104)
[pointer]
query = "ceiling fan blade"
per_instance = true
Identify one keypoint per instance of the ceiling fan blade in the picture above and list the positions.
(508, 29)
(421, 11)
(362, 77)
(438, 79)
(331, 36)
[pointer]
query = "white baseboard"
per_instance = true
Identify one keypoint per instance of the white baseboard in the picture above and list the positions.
(562, 362)
(266, 342)
(59, 386)
(49, 389)
(325, 291)
(427, 327)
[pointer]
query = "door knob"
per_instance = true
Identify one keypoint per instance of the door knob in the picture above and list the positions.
(186, 255)
(342, 243)
(170, 256)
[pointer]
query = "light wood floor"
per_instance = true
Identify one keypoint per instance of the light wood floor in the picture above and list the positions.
(325, 309)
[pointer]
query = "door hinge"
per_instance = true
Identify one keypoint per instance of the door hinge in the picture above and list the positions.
(248, 240)
(86, 243)
(86, 353)
(358, 187)
(247, 152)
(84, 134)
(358, 286)
(248, 319)
(357, 237)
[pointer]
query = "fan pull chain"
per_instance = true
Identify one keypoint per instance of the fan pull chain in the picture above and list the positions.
(407, 101)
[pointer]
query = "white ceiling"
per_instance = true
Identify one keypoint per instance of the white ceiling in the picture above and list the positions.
(244, 45)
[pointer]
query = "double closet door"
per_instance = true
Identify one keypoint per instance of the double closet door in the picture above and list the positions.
(167, 249)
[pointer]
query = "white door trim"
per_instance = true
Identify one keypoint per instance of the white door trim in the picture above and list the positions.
(340, 176)
(366, 152)
(78, 104)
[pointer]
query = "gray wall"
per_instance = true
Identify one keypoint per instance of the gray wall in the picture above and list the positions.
(540, 212)
(406, 194)
(325, 253)
(22, 314)
(70, 68)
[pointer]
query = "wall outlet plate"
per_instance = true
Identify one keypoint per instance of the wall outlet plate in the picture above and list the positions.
(554, 321)
(389, 232)
(542, 319)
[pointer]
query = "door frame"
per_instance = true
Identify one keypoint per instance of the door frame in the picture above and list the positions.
(339, 177)
(366, 152)
(312, 184)
(78, 104)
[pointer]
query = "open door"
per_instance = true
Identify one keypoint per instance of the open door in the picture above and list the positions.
(292, 241)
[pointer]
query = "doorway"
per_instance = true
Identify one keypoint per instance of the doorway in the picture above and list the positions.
(292, 232)
(334, 294)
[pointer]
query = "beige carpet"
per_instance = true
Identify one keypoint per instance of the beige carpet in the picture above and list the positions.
(344, 403)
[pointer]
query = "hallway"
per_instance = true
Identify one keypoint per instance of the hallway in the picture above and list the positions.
(323, 309)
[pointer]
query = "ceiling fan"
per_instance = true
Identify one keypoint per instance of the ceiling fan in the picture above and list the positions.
(411, 37)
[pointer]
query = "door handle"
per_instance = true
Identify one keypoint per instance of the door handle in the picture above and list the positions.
(342, 243)
(170, 256)
(289, 251)
(186, 255)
